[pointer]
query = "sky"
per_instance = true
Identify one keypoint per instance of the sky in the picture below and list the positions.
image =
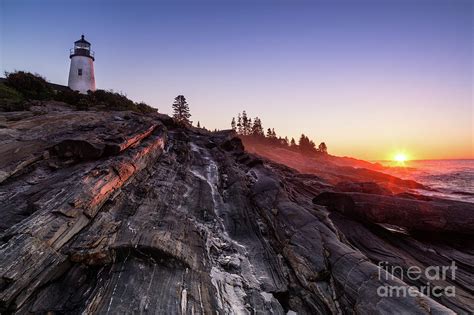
(369, 78)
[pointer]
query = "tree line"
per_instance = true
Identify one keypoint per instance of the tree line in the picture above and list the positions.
(253, 130)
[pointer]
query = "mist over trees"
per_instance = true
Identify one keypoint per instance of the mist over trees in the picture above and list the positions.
(255, 132)
(306, 145)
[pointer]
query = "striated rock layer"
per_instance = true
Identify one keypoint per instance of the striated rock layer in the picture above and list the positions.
(114, 212)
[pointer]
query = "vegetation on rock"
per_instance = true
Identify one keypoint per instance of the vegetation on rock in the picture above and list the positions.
(20, 87)
(254, 132)
(31, 86)
(108, 100)
(10, 99)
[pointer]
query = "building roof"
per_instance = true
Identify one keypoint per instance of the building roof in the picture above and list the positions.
(82, 40)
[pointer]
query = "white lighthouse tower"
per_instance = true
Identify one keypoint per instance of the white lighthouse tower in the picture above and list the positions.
(81, 72)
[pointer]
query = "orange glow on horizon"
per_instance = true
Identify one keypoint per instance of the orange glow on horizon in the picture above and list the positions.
(400, 158)
(413, 147)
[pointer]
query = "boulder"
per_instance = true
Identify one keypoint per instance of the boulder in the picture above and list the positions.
(432, 216)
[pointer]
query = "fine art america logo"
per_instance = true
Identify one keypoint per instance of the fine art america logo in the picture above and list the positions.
(428, 280)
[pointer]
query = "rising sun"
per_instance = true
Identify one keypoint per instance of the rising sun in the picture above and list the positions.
(400, 158)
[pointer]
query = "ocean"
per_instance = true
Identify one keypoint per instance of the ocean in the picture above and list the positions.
(450, 179)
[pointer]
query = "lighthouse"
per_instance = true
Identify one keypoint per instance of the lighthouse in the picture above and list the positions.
(81, 72)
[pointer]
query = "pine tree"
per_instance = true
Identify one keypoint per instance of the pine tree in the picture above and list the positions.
(198, 125)
(292, 143)
(269, 133)
(306, 145)
(239, 124)
(257, 129)
(181, 110)
(274, 135)
(233, 124)
(245, 123)
(302, 141)
(323, 148)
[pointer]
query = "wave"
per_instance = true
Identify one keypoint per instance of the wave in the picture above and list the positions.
(451, 179)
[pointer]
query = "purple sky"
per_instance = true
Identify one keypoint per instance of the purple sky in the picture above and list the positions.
(371, 78)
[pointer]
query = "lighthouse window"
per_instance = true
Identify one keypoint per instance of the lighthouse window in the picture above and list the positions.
(79, 71)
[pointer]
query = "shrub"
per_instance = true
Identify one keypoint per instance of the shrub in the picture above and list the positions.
(31, 86)
(19, 85)
(109, 100)
(9, 93)
(83, 104)
(112, 100)
(116, 101)
(11, 99)
(145, 108)
(69, 96)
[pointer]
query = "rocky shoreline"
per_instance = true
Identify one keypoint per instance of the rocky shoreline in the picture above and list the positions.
(119, 212)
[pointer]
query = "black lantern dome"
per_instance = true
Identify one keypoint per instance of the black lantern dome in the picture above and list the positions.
(82, 48)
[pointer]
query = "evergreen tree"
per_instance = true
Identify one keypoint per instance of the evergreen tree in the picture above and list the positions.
(246, 127)
(198, 125)
(274, 135)
(269, 133)
(245, 123)
(257, 129)
(302, 140)
(239, 124)
(292, 143)
(323, 148)
(181, 110)
(306, 145)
